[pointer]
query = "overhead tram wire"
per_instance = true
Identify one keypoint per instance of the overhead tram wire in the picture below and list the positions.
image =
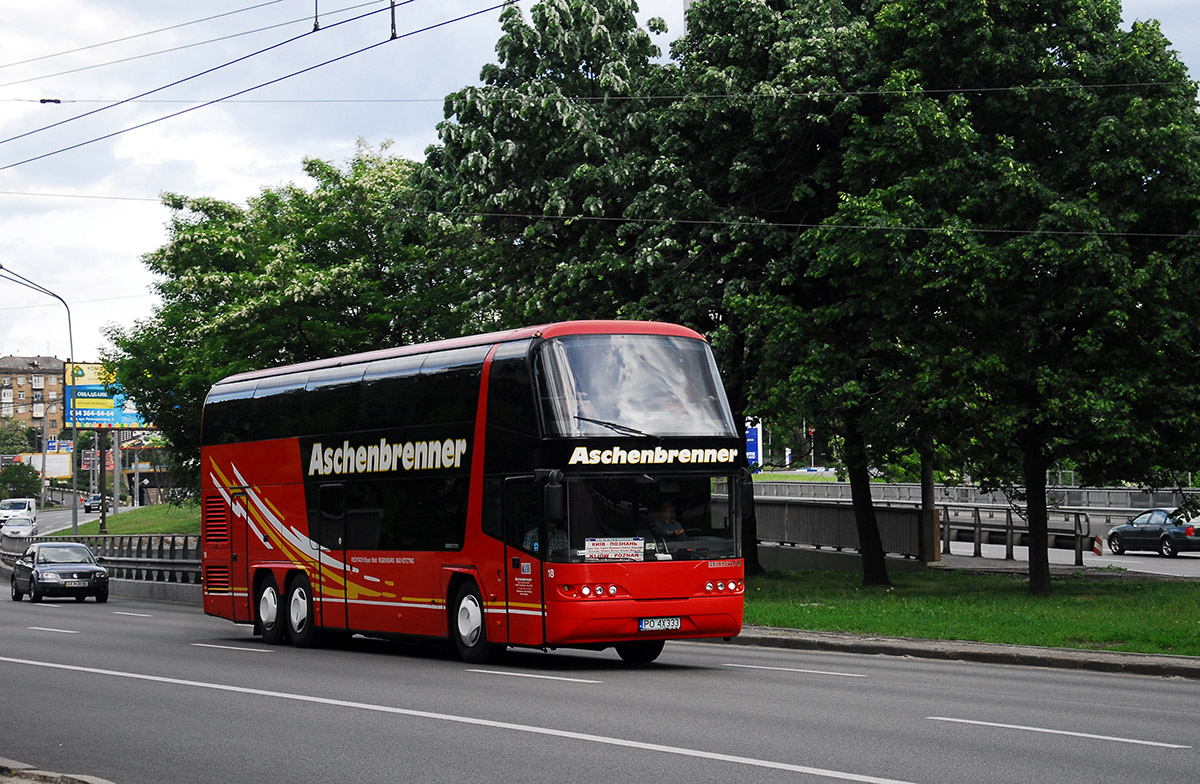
(178, 82)
(136, 35)
(1126, 86)
(183, 47)
(348, 55)
(744, 224)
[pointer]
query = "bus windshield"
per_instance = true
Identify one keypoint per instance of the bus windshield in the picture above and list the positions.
(626, 518)
(633, 385)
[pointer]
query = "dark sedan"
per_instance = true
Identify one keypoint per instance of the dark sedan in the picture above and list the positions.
(59, 569)
(95, 502)
(1166, 531)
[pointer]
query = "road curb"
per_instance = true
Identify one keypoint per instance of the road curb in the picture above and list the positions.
(13, 772)
(1158, 665)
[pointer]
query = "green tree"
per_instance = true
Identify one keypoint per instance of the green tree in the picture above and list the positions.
(544, 159)
(15, 437)
(573, 162)
(1013, 250)
(747, 155)
(297, 274)
(18, 480)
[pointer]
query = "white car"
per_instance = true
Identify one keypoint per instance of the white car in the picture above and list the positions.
(18, 517)
(18, 507)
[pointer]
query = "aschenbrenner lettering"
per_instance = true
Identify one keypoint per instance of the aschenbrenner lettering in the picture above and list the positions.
(385, 456)
(656, 456)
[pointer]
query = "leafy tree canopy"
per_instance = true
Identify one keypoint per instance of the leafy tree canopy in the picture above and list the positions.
(19, 480)
(295, 275)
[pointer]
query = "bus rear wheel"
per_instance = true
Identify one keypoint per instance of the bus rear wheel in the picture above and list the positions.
(468, 626)
(298, 612)
(639, 652)
(270, 623)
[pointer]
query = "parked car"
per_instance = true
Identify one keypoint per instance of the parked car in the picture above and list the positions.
(11, 508)
(1166, 531)
(58, 569)
(94, 502)
(19, 526)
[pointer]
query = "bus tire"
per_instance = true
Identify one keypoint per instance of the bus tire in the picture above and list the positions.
(298, 612)
(640, 651)
(467, 625)
(270, 620)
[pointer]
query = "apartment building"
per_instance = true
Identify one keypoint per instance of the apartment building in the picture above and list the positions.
(33, 389)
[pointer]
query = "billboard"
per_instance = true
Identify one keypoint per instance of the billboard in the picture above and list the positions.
(92, 406)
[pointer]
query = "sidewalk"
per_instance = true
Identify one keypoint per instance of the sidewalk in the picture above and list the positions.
(989, 653)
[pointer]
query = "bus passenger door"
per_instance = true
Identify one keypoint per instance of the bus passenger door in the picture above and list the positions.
(240, 552)
(327, 535)
(525, 603)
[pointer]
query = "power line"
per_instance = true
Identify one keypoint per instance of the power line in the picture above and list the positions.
(511, 97)
(708, 222)
(78, 302)
(180, 48)
(258, 86)
(747, 224)
(178, 82)
(80, 196)
(137, 35)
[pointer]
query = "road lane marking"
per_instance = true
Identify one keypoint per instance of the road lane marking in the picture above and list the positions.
(470, 721)
(1060, 732)
(793, 669)
(47, 629)
(133, 614)
(231, 647)
(531, 675)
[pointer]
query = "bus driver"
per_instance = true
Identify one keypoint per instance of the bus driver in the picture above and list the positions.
(557, 538)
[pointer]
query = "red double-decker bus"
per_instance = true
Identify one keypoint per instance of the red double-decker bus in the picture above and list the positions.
(578, 484)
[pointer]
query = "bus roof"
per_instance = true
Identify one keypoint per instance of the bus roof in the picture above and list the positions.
(555, 329)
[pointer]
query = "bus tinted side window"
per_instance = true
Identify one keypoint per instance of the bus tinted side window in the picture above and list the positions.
(449, 385)
(511, 415)
(228, 414)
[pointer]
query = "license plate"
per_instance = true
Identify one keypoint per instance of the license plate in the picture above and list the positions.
(658, 624)
(77, 583)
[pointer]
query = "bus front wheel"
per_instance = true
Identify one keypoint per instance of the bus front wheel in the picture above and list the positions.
(639, 652)
(468, 626)
(299, 612)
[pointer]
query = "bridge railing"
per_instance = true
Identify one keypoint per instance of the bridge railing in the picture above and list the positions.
(168, 558)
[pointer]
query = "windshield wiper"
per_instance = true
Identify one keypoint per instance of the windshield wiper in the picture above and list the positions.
(616, 427)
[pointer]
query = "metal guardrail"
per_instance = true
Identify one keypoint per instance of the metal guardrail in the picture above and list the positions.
(1124, 498)
(828, 521)
(147, 558)
(789, 521)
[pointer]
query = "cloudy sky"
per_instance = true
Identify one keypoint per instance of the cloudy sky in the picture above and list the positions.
(79, 202)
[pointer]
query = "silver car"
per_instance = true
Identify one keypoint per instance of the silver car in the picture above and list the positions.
(19, 526)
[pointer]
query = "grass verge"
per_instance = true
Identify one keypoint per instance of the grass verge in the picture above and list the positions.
(156, 519)
(1111, 612)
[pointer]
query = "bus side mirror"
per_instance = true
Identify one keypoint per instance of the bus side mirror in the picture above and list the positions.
(554, 498)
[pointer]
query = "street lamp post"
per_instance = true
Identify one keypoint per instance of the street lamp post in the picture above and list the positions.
(69, 367)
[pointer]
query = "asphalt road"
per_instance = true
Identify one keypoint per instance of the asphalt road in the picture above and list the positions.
(1183, 565)
(143, 693)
